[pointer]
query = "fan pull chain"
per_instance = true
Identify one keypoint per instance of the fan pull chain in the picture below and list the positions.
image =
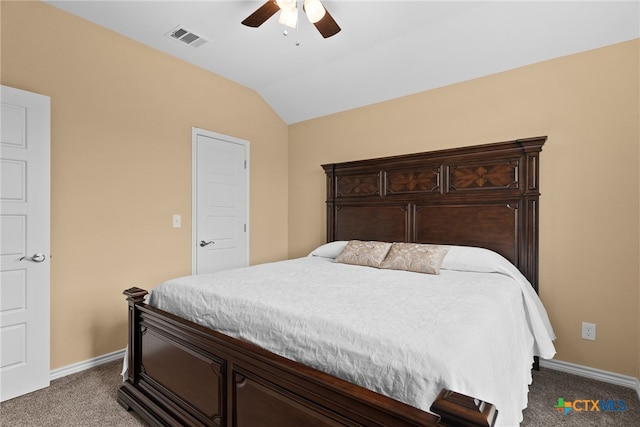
(298, 27)
(285, 32)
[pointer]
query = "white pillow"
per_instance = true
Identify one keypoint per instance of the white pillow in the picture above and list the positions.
(469, 258)
(329, 250)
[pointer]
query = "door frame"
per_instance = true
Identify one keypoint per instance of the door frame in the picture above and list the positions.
(195, 132)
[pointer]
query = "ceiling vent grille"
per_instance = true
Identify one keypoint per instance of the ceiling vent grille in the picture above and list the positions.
(187, 37)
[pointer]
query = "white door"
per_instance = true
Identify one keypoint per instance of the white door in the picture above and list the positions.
(220, 202)
(25, 242)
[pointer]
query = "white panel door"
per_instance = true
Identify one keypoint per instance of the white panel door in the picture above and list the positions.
(220, 202)
(25, 242)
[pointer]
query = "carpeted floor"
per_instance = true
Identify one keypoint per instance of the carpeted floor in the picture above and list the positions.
(549, 386)
(84, 399)
(89, 399)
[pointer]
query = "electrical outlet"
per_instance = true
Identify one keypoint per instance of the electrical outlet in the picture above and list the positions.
(588, 331)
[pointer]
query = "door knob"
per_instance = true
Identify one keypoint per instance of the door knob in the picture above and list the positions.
(35, 258)
(203, 243)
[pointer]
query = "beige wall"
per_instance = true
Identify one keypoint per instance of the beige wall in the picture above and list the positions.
(587, 104)
(122, 115)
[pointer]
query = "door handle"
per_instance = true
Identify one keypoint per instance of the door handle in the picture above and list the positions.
(203, 243)
(35, 258)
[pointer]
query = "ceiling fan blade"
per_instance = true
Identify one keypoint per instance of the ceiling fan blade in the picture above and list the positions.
(327, 25)
(261, 15)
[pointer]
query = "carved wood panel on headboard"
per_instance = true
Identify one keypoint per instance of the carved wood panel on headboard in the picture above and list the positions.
(485, 195)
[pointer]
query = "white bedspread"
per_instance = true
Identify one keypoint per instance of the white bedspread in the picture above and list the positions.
(405, 335)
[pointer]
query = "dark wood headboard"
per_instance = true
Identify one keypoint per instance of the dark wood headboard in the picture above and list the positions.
(484, 195)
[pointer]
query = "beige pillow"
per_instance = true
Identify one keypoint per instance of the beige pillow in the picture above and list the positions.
(364, 253)
(421, 258)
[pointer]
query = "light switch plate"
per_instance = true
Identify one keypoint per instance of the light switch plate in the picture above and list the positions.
(177, 221)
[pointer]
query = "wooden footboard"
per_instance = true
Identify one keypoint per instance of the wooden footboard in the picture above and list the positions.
(181, 373)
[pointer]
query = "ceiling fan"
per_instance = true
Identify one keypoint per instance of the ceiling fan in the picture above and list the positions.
(315, 11)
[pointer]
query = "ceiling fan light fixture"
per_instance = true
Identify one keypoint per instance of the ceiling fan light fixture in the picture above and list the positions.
(314, 9)
(289, 17)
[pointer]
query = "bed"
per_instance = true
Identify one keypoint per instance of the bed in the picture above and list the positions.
(183, 372)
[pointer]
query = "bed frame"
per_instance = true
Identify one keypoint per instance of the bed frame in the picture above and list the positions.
(181, 373)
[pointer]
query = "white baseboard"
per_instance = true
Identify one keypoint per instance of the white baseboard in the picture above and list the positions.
(593, 373)
(86, 364)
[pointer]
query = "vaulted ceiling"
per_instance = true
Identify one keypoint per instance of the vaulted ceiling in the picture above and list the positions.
(386, 49)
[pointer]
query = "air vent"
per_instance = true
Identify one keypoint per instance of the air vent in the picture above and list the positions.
(187, 37)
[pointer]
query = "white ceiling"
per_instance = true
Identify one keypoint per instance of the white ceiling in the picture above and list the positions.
(386, 49)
